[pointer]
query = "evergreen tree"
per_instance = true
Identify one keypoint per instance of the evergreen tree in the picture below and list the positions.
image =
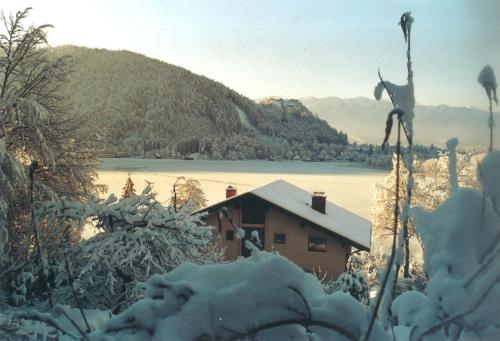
(128, 190)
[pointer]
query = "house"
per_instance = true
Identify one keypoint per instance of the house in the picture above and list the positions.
(307, 229)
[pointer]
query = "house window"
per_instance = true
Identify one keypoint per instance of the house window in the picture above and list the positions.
(229, 235)
(317, 244)
(280, 238)
(254, 211)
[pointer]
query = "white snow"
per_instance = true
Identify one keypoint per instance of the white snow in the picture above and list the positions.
(405, 306)
(220, 301)
(29, 324)
(462, 259)
(489, 177)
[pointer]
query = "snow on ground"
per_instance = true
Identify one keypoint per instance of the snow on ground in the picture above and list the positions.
(332, 178)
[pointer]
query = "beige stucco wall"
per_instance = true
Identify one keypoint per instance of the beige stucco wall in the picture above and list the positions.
(333, 261)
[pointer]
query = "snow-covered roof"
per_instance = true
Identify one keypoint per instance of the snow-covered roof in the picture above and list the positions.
(298, 201)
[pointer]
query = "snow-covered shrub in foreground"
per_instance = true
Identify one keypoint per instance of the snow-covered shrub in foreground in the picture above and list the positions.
(263, 296)
(355, 280)
(355, 283)
(29, 324)
(462, 259)
(139, 238)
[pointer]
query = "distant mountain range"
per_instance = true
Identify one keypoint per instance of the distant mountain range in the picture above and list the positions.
(140, 106)
(364, 121)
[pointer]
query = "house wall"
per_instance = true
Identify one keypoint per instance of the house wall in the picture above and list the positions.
(332, 262)
(232, 248)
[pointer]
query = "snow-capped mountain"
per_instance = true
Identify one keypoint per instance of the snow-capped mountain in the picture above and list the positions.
(434, 124)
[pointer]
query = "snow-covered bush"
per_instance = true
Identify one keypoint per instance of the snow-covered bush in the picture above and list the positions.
(354, 283)
(20, 286)
(365, 262)
(263, 297)
(355, 280)
(461, 239)
(139, 237)
(60, 323)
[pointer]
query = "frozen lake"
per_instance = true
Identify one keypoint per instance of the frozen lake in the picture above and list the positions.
(349, 186)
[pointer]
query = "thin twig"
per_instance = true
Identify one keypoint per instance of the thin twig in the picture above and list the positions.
(135, 327)
(44, 274)
(386, 90)
(303, 322)
(304, 301)
(44, 318)
(491, 125)
(395, 232)
(82, 333)
(75, 296)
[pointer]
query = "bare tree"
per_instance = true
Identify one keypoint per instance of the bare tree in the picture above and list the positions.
(186, 190)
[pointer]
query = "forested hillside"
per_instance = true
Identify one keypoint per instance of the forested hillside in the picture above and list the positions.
(144, 107)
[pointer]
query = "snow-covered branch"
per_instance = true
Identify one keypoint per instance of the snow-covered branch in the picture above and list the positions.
(139, 237)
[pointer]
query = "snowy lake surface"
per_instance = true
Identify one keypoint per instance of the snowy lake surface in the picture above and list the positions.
(347, 185)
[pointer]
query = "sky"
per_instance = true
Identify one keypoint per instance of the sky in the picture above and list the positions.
(290, 48)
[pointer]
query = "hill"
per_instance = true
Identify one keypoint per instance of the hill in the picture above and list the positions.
(364, 120)
(144, 107)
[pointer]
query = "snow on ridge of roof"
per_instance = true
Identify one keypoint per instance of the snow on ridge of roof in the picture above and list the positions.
(335, 218)
(298, 201)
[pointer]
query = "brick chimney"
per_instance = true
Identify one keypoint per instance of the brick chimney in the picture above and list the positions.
(231, 191)
(319, 202)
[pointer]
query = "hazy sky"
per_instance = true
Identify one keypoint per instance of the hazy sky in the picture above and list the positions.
(294, 48)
